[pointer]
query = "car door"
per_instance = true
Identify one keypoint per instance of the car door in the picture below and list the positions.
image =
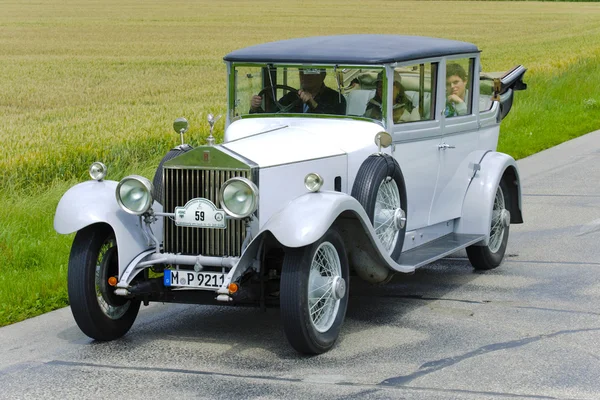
(416, 137)
(459, 141)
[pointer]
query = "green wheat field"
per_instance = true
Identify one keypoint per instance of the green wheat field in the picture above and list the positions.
(87, 80)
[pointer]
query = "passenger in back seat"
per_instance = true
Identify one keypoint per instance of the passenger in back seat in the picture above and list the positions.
(404, 110)
(456, 90)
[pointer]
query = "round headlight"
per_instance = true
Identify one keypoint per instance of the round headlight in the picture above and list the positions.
(98, 171)
(313, 182)
(134, 194)
(239, 197)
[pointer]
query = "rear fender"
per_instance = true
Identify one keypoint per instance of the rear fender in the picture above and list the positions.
(94, 202)
(479, 200)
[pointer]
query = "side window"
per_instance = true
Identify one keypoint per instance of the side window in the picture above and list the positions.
(413, 97)
(459, 78)
(486, 92)
(363, 90)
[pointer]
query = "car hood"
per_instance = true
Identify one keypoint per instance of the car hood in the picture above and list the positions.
(275, 141)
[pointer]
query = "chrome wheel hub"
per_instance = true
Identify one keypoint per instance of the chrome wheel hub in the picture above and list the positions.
(399, 219)
(338, 288)
(505, 217)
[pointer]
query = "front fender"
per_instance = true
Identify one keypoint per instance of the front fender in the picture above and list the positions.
(479, 200)
(94, 202)
(305, 219)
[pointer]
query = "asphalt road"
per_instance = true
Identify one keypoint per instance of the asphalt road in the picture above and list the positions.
(529, 329)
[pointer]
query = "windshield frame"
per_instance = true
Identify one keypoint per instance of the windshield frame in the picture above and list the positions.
(232, 67)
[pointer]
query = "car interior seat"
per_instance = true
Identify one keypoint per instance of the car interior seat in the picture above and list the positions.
(357, 99)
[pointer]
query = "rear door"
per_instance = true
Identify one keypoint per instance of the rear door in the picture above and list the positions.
(416, 134)
(458, 144)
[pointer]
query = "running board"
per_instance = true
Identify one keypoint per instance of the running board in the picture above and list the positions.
(437, 249)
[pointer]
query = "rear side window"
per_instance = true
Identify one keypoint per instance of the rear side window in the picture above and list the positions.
(459, 81)
(414, 93)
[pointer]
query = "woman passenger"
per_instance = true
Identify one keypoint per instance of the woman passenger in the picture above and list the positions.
(403, 109)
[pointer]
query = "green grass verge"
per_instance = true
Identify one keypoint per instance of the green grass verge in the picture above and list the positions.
(32, 256)
(555, 107)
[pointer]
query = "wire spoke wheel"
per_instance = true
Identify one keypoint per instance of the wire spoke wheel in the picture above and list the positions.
(387, 204)
(314, 294)
(324, 270)
(106, 266)
(491, 255)
(497, 227)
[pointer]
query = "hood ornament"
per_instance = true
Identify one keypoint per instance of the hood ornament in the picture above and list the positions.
(211, 121)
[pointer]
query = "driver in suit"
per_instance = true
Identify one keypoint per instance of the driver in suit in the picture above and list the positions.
(312, 97)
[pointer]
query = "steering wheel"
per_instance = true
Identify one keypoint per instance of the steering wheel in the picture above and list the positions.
(270, 91)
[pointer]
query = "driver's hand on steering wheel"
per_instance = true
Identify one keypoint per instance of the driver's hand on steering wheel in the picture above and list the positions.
(306, 98)
(255, 102)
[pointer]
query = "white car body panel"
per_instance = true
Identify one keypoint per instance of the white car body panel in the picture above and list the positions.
(419, 163)
(490, 129)
(290, 183)
(479, 200)
(276, 141)
(455, 172)
(94, 202)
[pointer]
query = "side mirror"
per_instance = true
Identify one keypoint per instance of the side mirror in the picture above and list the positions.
(383, 139)
(181, 126)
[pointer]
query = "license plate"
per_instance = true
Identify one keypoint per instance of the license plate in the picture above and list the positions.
(200, 213)
(198, 280)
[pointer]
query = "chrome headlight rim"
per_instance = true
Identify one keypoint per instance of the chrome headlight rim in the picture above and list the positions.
(316, 185)
(97, 171)
(253, 188)
(147, 186)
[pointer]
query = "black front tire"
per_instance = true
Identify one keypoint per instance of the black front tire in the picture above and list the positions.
(99, 313)
(298, 325)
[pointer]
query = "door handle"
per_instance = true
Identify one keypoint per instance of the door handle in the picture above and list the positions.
(445, 146)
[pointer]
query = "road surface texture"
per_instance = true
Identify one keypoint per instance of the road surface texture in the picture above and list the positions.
(529, 329)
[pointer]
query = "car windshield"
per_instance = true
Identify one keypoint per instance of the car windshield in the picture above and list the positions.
(325, 90)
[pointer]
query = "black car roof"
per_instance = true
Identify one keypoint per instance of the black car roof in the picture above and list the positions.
(351, 49)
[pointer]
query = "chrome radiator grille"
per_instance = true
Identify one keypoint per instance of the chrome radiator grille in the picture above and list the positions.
(182, 185)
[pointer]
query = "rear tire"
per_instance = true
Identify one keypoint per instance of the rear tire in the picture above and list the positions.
(314, 293)
(99, 313)
(491, 256)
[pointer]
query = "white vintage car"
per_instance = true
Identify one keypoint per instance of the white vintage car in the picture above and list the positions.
(357, 155)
